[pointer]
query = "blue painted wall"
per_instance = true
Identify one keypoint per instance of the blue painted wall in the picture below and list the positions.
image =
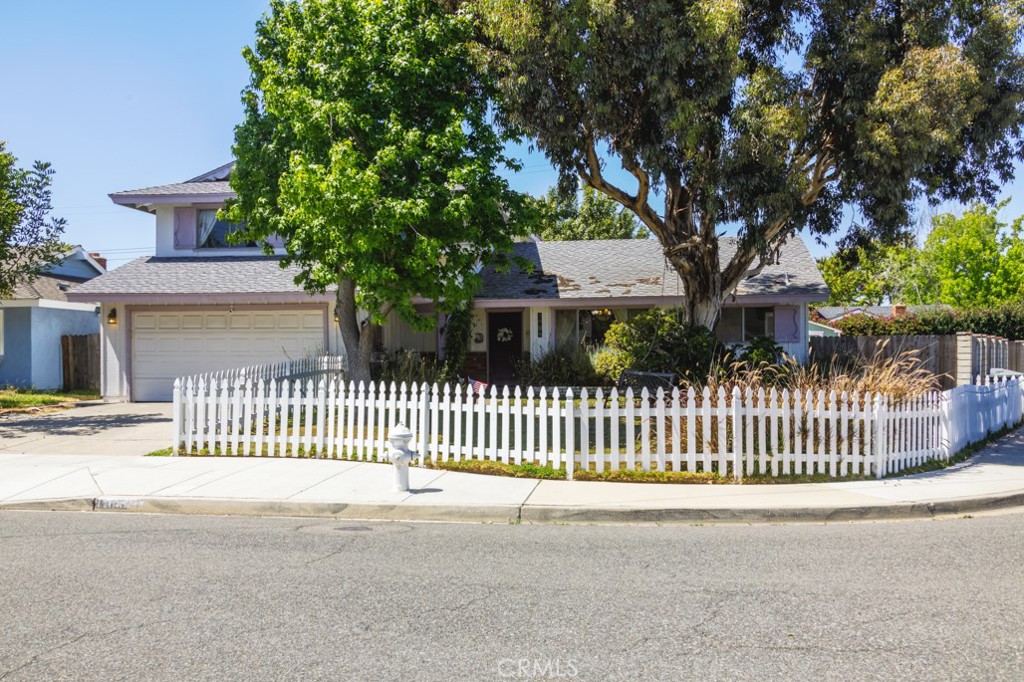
(73, 267)
(32, 344)
(48, 325)
(16, 365)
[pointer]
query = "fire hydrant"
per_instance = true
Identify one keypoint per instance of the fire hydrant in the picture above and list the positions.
(400, 456)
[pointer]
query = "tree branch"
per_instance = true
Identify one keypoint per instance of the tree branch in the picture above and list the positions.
(637, 204)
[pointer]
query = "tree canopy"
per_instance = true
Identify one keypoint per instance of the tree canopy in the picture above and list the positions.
(366, 146)
(592, 216)
(30, 238)
(768, 118)
(972, 260)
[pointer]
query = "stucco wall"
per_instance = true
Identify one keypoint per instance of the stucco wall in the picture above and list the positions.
(48, 325)
(16, 364)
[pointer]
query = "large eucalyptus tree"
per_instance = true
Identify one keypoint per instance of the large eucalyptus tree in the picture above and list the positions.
(765, 117)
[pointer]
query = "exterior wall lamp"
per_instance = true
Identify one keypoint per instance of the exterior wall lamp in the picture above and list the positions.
(112, 317)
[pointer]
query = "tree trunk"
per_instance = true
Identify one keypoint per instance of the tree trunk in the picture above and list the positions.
(357, 338)
(703, 293)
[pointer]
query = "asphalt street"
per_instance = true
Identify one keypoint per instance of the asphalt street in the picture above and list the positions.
(94, 596)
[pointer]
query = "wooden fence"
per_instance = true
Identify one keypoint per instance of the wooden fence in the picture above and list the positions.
(80, 362)
(956, 359)
(732, 434)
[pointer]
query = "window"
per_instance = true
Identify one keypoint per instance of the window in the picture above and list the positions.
(566, 328)
(213, 233)
(1, 332)
(743, 325)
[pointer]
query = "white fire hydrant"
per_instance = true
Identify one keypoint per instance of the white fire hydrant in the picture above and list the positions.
(400, 456)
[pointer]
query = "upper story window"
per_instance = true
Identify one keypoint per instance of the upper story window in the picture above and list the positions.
(212, 233)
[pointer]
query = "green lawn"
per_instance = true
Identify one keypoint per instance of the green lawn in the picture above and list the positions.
(24, 397)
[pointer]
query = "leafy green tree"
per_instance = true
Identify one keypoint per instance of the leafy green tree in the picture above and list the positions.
(30, 238)
(769, 116)
(873, 273)
(972, 260)
(968, 260)
(366, 146)
(595, 216)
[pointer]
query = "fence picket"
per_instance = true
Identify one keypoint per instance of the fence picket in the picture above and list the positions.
(645, 429)
(630, 430)
(556, 429)
(599, 450)
(584, 429)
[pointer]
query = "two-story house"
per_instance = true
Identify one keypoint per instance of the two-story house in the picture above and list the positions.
(201, 304)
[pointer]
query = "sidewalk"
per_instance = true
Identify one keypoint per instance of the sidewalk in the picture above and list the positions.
(341, 489)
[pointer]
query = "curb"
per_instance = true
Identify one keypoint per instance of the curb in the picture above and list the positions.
(887, 512)
(532, 514)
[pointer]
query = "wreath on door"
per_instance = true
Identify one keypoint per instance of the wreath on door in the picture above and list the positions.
(504, 335)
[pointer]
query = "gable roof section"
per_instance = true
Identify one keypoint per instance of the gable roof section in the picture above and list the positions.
(637, 269)
(212, 186)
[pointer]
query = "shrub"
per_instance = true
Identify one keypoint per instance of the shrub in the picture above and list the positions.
(658, 341)
(457, 330)
(900, 376)
(1006, 321)
(568, 365)
(762, 350)
(413, 368)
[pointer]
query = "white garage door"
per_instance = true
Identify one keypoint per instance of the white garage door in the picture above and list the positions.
(173, 344)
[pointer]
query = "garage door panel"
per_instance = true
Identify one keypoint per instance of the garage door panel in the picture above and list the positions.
(173, 344)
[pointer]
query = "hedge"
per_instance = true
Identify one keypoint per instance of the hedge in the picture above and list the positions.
(1006, 321)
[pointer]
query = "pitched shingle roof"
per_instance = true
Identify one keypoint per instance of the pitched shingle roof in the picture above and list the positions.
(630, 268)
(636, 268)
(42, 287)
(194, 276)
(197, 189)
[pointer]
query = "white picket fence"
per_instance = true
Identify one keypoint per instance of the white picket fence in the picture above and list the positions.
(736, 434)
(291, 369)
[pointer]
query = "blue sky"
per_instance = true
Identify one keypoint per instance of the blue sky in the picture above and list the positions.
(120, 95)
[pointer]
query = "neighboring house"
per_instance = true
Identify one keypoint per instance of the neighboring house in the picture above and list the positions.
(200, 304)
(820, 329)
(831, 314)
(38, 314)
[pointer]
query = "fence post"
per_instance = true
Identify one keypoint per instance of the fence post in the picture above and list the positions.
(945, 425)
(880, 436)
(176, 445)
(964, 358)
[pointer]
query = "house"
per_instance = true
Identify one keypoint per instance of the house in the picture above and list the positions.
(815, 328)
(832, 314)
(201, 304)
(38, 313)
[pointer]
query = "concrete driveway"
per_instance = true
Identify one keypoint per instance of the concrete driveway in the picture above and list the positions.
(109, 429)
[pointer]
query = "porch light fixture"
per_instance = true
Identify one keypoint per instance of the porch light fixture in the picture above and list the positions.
(112, 317)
